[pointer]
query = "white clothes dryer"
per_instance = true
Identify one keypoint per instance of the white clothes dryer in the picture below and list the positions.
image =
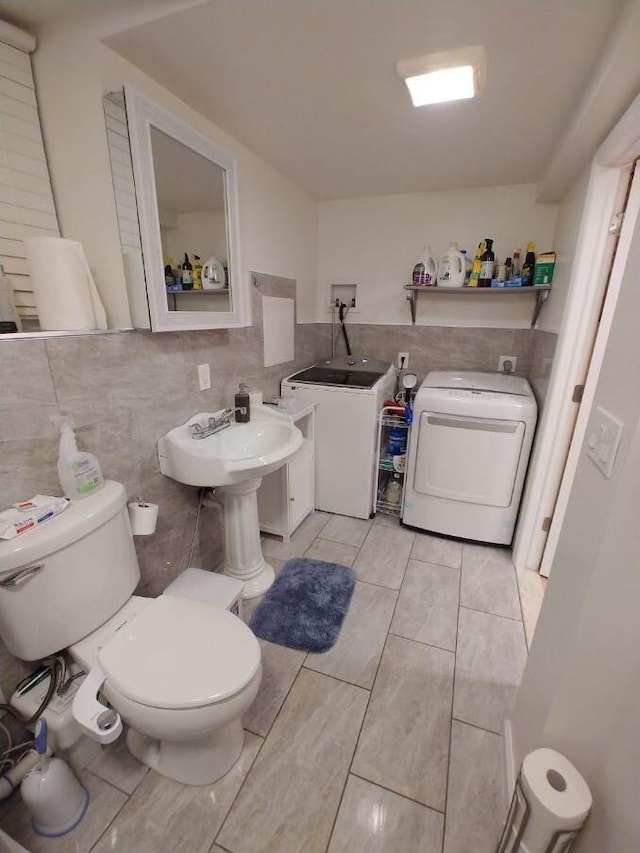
(468, 454)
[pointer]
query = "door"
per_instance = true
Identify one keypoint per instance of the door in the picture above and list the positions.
(576, 352)
(300, 485)
(619, 270)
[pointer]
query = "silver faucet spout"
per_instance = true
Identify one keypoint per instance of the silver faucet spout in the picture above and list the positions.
(221, 420)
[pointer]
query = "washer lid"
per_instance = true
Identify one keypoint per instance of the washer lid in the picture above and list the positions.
(180, 653)
(501, 383)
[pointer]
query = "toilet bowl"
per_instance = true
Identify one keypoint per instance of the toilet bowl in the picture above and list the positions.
(180, 672)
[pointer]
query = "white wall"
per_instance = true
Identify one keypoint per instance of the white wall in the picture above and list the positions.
(203, 233)
(278, 220)
(581, 688)
(375, 242)
(565, 239)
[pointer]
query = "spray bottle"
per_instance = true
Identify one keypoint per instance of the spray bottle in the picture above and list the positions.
(79, 472)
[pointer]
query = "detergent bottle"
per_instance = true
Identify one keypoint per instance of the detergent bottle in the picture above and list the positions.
(425, 268)
(453, 267)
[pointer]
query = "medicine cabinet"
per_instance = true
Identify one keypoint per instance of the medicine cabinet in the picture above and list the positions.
(182, 191)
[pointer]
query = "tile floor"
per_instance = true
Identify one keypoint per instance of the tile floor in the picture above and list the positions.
(392, 741)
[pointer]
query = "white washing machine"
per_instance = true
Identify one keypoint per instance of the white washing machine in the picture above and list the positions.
(349, 393)
(468, 453)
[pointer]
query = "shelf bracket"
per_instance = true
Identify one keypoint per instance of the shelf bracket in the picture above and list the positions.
(412, 299)
(541, 298)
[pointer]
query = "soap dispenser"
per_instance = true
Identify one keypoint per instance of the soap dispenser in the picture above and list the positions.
(242, 402)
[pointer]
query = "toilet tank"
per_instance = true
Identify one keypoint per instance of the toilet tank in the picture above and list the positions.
(84, 569)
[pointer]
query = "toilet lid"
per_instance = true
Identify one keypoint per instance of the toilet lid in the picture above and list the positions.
(180, 653)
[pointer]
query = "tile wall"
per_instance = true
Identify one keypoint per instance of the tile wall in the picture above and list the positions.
(442, 347)
(125, 390)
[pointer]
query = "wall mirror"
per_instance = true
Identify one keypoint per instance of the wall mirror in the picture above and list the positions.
(182, 264)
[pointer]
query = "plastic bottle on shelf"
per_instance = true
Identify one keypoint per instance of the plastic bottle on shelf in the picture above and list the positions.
(508, 266)
(488, 262)
(528, 266)
(197, 273)
(187, 273)
(453, 268)
(393, 493)
(476, 266)
(425, 269)
(397, 441)
(517, 263)
(169, 277)
(468, 264)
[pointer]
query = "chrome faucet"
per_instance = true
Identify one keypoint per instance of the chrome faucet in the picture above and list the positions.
(221, 420)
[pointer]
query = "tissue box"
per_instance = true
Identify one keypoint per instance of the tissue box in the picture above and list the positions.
(543, 271)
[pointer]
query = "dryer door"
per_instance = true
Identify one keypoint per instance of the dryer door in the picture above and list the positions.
(474, 460)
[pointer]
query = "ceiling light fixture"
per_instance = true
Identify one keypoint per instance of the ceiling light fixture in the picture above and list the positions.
(452, 75)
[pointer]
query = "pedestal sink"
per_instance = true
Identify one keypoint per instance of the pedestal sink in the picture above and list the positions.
(234, 460)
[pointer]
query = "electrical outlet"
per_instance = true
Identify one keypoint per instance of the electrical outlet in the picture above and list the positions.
(403, 360)
(204, 377)
(507, 363)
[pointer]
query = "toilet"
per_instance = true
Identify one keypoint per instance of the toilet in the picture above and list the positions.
(180, 672)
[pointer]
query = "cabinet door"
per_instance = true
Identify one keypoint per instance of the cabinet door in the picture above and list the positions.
(472, 460)
(300, 474)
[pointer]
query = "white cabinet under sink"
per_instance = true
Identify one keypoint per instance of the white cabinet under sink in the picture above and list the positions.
(287, 496)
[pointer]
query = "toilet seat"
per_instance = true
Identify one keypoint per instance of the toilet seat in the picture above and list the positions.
(180, 653)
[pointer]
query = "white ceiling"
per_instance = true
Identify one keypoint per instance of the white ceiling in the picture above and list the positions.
(185, 181)
(310, 85)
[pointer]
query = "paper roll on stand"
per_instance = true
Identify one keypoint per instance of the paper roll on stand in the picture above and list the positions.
(550, 804)
(63, 287)
(143, 517)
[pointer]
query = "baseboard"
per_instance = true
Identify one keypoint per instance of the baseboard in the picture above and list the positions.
(509, 761)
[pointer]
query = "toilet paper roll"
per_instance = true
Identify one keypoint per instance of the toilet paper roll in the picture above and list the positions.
(143, 518)
(559, 798)
(255, 398)
(63, 287)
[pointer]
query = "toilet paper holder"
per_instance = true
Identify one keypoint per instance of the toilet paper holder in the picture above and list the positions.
(143, 517)
(517, 819)
(550, 805)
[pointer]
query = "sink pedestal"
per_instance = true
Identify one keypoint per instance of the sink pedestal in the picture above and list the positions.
(244, 559)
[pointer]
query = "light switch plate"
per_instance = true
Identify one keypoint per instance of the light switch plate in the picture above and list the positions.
(603, 439)
(204, 377)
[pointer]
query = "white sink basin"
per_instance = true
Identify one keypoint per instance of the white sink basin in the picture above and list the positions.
(235, 453)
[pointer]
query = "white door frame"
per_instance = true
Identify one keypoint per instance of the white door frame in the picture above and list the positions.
(563, 424)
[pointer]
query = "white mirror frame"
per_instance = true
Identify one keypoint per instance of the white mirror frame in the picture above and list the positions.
(142, 115)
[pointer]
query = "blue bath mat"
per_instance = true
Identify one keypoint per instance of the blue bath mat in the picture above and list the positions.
(306, 606)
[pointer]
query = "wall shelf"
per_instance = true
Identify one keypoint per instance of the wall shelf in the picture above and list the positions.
(541, 292)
